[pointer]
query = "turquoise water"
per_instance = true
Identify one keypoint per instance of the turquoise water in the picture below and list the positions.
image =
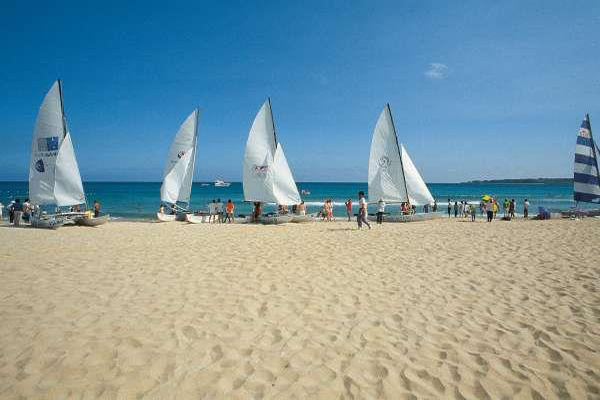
(140, 200)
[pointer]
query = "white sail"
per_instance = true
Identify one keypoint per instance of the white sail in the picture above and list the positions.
(418, 192)
(68, 189)
(179, 169)
(284, 186)
(259, 156)
(386, 179)
(47, 138)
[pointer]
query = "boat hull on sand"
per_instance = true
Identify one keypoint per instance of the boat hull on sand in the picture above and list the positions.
(275, 219)
(574, 213)
(92, 221)
(196, 219)
(298, 219)
(165, 217)
(47, 223)
(408, 218)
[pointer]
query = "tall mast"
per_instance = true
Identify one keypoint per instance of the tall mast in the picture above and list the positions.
(399, 153)
(62, 108)
(194, 150)
(273, 122)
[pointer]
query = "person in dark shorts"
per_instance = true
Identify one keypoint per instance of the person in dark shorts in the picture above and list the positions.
(490, 210)
(97, 208)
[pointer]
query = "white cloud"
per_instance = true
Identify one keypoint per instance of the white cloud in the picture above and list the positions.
(437, 71)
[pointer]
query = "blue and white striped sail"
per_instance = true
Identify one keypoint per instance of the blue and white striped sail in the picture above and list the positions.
(586, 178)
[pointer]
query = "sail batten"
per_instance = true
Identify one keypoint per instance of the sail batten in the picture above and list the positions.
(179, 169)
(586, 175)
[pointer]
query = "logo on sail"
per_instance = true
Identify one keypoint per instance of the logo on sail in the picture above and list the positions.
(384, 162)
(584, 132)
(181, 154)
(48, 143)
(39, 165)
(261, 169)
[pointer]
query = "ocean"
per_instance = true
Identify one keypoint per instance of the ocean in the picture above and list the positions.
(140, 200)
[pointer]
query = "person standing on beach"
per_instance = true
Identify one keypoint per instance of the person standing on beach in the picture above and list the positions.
(380, 211)
(511, 208)
(525, 209)
(219, 211)
(434, 205)
(11, 211)
(18, 211)
(449, 208)
(473, 212)
(212, 211)
(489, 206)
(97, 208)
(348, 204)
(461, 209)
(1, 209)
(455, 209)
(362, 210)
(257, 211)
(301, 209)
(26, 210)
(229, 209)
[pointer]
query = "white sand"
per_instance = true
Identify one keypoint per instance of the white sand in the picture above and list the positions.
(438, 309)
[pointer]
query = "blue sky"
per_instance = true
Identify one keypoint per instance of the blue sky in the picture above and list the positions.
(478, 89)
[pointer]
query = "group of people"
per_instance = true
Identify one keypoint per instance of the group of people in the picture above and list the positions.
(327, 211)
(217, 211)
(488, 207)
(221, 213)
(18, 212)
(22, 212)
(462, 209)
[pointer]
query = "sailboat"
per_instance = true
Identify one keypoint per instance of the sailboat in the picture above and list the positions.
(179, 170)
(54, 178)
(393, 176)
(586, 174)
(267, 175)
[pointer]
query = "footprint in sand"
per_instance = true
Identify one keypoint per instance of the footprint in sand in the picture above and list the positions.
(190, 332)
(216, 353)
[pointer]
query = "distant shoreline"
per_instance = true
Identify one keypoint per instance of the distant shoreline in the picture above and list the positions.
(513, 181)
(524, 181)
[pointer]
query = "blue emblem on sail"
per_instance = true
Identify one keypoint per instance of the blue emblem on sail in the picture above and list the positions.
(39, 165)
(48, 143)
(586, 178)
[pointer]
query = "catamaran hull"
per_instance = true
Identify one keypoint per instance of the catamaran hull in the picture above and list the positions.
(165, 217)
(408, 218)
(196, 219)
(303, 218)
(275, 219)
(579, 213)
(47, 223)
(93, 221)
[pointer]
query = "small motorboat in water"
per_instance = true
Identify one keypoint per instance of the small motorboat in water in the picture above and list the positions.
(220, 183)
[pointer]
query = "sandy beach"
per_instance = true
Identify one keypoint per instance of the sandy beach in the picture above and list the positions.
(437, 309)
